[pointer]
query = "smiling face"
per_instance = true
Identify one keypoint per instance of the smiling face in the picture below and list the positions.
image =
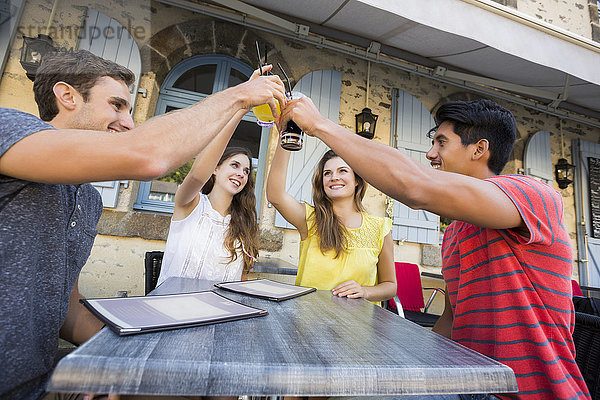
(232, 174)
(338, 179)
(106, 109)
(447, 152)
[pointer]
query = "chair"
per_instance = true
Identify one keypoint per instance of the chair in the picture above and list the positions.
(587, 346)
(583, 304)
(152, 264)
(410, 293)
(585, 291)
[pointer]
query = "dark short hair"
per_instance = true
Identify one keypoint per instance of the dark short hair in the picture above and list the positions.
(482, 119)
(80, 69)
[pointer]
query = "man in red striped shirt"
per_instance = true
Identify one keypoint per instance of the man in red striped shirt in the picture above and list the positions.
(507, 258)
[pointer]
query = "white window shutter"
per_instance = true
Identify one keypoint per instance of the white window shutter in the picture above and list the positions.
(107, 38)
(411, 122)
(537, 161)
(324, 88)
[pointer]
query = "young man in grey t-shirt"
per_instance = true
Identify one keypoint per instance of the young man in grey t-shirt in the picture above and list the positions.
(49, 212)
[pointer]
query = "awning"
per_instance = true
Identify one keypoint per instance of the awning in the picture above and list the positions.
(471, 40)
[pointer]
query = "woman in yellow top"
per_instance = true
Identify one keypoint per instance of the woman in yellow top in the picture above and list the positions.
(342, 248)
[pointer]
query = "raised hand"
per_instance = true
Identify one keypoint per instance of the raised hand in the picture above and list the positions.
(262, 89)
(304, 113)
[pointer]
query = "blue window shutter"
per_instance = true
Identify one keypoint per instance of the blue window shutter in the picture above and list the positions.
(411, 120)
(10, 15)
(537, 161)
(324, 88)
(106, 38)
(109, 191)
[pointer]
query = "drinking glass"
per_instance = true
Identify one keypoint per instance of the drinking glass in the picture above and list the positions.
(264, 115)
(292, 136)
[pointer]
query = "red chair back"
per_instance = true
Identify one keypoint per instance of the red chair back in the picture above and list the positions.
(576, 288)
(410, 291)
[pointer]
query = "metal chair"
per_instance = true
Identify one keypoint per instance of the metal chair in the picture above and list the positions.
(587, 346)
(152, 264)
(410, 293)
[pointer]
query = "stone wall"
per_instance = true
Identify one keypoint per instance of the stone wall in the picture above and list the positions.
(595, 18)
(572, 15)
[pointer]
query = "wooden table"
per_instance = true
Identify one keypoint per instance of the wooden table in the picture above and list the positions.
(316, 344)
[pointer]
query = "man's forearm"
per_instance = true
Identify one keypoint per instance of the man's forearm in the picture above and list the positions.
(80, 324)
(144, 153)
(190, 130)
(177, 137)
(384, 167)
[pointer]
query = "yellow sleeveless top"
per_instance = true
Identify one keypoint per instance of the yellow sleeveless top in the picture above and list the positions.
(359, 263)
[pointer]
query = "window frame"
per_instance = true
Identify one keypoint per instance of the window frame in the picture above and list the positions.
(181, 98)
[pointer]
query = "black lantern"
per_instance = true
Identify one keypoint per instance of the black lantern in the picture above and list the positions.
(564, 173)
(32, 52)
(365, 123)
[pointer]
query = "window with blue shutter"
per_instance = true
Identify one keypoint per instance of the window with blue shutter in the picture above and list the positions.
(106, 38)
(188, 82)
(324, 88)
(536, 160)
(411, 121)
(10, 15)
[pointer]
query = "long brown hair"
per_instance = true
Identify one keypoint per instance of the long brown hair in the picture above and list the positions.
(242, 235)
(334, 235)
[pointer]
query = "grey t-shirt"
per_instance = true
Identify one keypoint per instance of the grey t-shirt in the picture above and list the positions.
(46, 235)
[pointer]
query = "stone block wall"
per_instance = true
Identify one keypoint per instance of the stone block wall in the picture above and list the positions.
(595, 18)
(572, 15)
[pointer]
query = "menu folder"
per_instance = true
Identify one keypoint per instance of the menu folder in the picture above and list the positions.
(132, 315)
(265, 289)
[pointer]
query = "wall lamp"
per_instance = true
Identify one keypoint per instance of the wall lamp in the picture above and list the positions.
(563, 172)
(365, 123)
(32, 52)
(366, 120)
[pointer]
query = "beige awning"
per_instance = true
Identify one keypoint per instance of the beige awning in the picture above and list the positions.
(476, 41)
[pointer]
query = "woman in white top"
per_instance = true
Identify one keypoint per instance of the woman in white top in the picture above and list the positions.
(214, 235)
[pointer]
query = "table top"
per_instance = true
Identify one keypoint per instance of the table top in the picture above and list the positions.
(316, 344)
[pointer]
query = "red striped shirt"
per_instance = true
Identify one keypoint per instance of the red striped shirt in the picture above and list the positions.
(511, 295)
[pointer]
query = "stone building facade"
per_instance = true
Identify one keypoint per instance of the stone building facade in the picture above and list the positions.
(168, 35)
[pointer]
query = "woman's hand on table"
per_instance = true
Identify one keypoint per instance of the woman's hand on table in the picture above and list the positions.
(350, 289)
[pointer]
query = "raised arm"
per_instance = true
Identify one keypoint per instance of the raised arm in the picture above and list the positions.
(154, 148)
(205, 163)
(394, 173)
(202, 168)
(291, 209)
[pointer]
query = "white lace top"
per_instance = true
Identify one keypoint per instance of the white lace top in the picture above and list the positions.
(195, 247)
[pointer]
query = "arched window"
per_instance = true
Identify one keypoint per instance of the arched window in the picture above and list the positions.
(187, 83)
